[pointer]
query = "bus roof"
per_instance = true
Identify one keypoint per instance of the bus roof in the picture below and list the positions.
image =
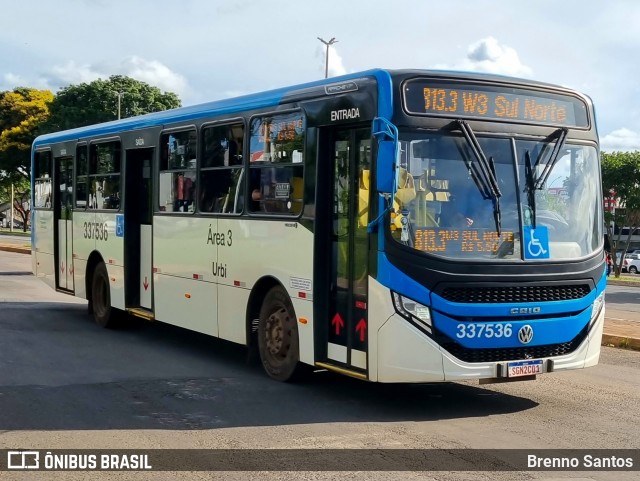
(257, 101)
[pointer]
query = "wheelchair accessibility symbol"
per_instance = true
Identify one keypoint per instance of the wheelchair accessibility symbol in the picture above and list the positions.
(536, 242)
(119, 225)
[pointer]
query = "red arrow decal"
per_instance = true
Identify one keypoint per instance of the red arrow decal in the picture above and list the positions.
(362, 327)
(145, 283)
(338, 323)
(62, 266)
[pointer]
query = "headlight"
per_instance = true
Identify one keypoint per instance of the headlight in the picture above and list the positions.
(597, 307)
(412, 311)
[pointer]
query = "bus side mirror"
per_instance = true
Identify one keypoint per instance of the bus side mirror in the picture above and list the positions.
(386, 167)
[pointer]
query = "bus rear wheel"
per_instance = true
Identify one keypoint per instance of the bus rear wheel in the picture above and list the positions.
(103, 313)
(278, 336)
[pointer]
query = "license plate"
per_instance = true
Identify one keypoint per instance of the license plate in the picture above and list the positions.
(524, 368)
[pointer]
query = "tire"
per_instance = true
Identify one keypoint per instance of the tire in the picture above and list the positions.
(633, 270)
(278, 336)
(103, 314)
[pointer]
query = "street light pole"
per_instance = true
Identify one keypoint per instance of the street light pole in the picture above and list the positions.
(11, 216)
(120, 95)
(326, 61)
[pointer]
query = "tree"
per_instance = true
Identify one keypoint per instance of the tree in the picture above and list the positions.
(621, 187)
(96, 102)
(21, 195)
(22, 113)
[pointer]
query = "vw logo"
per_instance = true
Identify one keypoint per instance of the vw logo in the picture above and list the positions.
(525, 334)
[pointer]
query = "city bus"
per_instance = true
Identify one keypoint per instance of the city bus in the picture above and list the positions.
(394, 226)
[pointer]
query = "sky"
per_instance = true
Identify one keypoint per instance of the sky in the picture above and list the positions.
(212, 49)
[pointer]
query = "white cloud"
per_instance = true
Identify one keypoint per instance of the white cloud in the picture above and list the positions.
(621, 140)
(72, 73)
(336, 65)
(227, 94)
(11, 81)
(490, 56)
(153, 72)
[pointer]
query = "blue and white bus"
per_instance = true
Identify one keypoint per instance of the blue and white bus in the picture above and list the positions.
(394, 226)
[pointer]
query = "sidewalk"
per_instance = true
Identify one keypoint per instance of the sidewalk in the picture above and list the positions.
(18, 246)
(621, 333)
(618, 332)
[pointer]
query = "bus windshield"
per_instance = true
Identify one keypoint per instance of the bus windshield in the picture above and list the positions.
(509, 199)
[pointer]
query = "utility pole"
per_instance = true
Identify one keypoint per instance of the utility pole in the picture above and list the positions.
(11, 216)
(326, 61)
(120, 95)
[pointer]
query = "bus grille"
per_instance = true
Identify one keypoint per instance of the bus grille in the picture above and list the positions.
(514, 353)
(508, 294)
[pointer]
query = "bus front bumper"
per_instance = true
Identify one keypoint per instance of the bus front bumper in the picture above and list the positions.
(405, 354)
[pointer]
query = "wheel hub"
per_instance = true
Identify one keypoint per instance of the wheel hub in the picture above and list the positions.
(277, 333)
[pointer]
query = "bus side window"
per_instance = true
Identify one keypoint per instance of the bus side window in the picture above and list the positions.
(81, 179)
(221, 170)
(104, 176)
(42, 192)
(278, 190)
(215, 189)
(277, 164)
(177, 172)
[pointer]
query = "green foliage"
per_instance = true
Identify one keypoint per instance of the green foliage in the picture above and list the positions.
(20, 184)
(97, 102)
(22, 113)
(21, 194)
(621, 181)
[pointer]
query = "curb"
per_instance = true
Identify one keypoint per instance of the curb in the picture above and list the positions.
(621, 341)
(623, 283)
(16, 249)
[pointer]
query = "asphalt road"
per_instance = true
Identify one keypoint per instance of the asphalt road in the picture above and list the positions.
(66, 383)
(623, 302)
(14, 239)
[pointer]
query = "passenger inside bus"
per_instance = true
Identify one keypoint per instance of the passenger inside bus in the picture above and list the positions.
(256, 190)
(184, 189)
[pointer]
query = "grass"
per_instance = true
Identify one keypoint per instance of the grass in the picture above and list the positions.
(16, 232)
(630, 279)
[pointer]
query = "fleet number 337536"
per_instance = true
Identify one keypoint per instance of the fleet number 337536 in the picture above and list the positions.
(485, 330)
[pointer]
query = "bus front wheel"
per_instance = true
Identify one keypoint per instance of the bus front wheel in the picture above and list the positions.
(278, 335)
(103, 313)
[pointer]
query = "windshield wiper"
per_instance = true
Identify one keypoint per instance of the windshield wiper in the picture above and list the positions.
(534, 183)
(531, 187)
(488, 176)
(497, 215)
(553, 158)
(485, 176)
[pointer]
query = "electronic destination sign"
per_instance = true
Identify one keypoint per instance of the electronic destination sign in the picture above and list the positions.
(431, 97)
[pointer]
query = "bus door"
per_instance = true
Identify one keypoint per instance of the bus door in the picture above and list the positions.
(63, 222)
(346, 322)
(136, 228)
